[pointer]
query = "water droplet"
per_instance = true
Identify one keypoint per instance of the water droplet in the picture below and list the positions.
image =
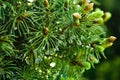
(57, 22)
(52, 64)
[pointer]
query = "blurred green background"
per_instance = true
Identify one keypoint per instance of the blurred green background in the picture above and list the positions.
(109, 69)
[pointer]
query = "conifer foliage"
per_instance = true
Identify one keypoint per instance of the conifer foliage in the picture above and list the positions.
(50, 39)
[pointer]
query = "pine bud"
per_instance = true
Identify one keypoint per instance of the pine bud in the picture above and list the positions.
(45, 30)
(106, 16)
(107, 45)
(93, 59)
(95, 15)
(77, 23)
(100, 48)
(89, 7)
(46, 3)
(85, 2)
(111, 39)
(98, 21)
(23, 16)
(76, 16)
(66, 3)
(86, 65)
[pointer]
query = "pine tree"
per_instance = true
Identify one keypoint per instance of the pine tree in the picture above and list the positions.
(50, 39)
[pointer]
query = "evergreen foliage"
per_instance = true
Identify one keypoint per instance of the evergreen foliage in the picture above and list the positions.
(50, 39)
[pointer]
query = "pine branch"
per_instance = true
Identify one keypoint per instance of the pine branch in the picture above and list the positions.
(52, 39)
